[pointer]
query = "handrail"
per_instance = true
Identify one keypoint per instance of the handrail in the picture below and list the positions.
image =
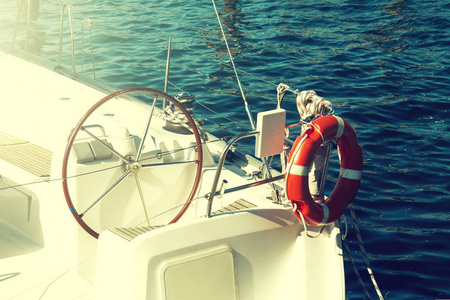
(69, 11)
(249, 185)
(102, 129)
(220, 166)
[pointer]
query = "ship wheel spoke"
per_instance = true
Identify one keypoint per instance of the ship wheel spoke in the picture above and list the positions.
(114, 152)
(170, 164)
(108, 190)
(141, 196)
(141, 146)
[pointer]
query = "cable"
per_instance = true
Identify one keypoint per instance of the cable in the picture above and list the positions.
(247, 108)
(102, 170)
(364, 253)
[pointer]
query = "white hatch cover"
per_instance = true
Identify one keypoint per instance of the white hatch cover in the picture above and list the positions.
(200, 276)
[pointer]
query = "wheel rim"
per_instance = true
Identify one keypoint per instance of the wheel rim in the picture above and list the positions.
(132, 165)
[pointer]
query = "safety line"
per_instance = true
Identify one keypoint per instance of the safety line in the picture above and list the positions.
(102, 170)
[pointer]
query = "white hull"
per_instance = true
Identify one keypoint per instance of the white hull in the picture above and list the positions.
(259, 252)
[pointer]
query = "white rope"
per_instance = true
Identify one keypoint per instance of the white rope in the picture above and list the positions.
(281, 91)
(309, 104)
(344, 236)
(364, 254)
(64, 273)
(355, 269)
(365, 257)
(318, 130)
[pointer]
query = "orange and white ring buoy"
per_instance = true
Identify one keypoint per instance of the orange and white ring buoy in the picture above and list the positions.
(299, 162)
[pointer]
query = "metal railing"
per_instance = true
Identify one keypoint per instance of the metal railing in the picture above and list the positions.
(28, 22)
(72, 39)
(25, 15)
(214, 192)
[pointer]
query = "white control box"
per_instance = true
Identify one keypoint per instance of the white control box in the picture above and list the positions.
(270, 139)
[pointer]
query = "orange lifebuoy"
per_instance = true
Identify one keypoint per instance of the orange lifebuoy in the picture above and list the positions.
(299, 162)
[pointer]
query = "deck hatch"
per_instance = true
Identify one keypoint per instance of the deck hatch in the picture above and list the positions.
(209, 274)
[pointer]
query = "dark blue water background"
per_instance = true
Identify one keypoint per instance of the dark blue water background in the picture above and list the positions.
(383, 64)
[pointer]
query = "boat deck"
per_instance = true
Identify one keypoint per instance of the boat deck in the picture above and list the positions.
(38, 105)
(45, 254)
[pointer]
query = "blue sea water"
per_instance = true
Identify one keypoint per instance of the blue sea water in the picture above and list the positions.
(384, 65)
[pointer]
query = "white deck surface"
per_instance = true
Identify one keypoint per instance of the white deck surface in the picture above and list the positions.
(45, 255)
